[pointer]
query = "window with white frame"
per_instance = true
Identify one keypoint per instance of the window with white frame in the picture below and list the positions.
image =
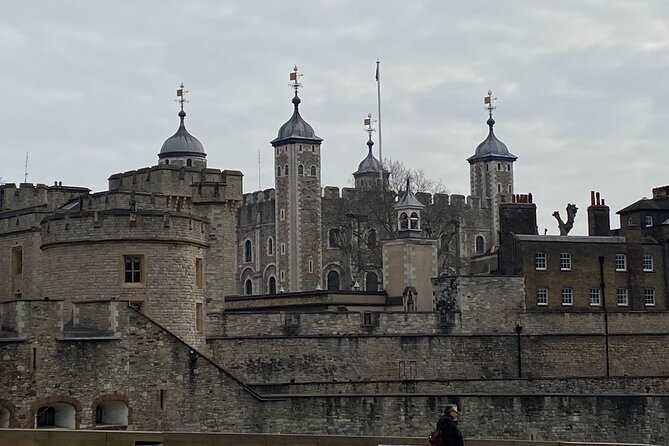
(621, 262)
(540, 261)
(595, 296)
(542, 296)
(623, 297)
(567, 296)
(647, 261)
(649, 297)
(565, 261)
(649, 220)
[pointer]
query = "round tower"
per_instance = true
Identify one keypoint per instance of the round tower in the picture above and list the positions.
(182, 148)
(297, 167)
(491, 170)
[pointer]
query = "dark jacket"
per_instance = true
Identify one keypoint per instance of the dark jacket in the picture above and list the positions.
(449, 431)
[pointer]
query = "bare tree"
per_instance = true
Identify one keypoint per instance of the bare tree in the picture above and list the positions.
(419, 181)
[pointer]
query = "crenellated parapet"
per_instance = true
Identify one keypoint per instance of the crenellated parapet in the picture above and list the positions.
(124, 225)
(203, 185)
(27, 195)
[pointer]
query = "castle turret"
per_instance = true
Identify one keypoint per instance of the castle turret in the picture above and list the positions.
(410, 260)
(370, 173)
(491, 169)
(182, 148)
(297, 163)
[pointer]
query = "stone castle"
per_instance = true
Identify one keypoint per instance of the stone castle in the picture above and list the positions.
(173, 301)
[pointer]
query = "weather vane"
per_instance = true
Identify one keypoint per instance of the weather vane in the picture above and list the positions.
(487, 100)
(294, 76)
(180, 96)
(368, 122)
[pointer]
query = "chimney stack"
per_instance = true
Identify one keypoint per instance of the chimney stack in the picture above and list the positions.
(599, 222)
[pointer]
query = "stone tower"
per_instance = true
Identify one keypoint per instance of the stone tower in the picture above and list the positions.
(410, 261)
(297, 167)
(491, 171)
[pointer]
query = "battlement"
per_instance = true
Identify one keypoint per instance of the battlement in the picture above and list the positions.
(136, 200)
(202, 184)
(27, 195)
(118, 224)
(260, 196)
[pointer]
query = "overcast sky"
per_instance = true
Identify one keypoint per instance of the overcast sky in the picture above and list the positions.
(89, 88)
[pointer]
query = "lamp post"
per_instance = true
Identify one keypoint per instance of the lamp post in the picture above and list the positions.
(606, 315)
(519, 330)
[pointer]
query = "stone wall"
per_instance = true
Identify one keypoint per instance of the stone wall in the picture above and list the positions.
(197, 395)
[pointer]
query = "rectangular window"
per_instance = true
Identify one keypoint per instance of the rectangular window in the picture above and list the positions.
(17, 260)
(595, 296)
(199, 317)
(34, 358)
(283, 248)
(542, 296)
(366, 318)
(132, 269)
(567, 296)
(621, 262)
(649, 297)
(565, 261)
(648, 264)
(623, 298)
(649, 221)
(540, 261)
(282, 214)
(311, 266)
(282, 275)
(198, 273)
(162, 394)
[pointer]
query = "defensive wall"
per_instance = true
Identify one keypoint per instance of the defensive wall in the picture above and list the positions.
(167, 385)
(107, 438)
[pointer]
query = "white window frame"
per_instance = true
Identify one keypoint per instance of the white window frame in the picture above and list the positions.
(595, 297)
(648, 263)
(567, 296)
(622, 297)
(649, 297)
(565, 261)
(648, 220)
(540, 259)
(542, 297)
(621, 262)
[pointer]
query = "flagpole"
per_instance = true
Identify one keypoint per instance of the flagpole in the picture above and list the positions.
(378, 94)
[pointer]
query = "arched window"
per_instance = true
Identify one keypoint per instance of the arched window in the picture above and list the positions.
(313, 171)
(111, 413)
(413, 221)
(248, 287)
(371, 238)
(372, 282)
(509, 188)
(248, 251)
(333, 238)
(271, 285)
(300, 169)
(57, 415)
(167, 161)
(285, 170)
(499, 188)
(270, 246)
(333, 281)
(443, 242)
(404, 221)
(480, 244)
(4, 417)
(189, 162)
(278, 171)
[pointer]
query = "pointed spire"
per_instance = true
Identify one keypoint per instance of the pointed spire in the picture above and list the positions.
(296, 128)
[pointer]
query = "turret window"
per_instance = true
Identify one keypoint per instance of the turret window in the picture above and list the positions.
(413, 220)
(248, 251)
(278, 171)
(189, 162)
(270, 246)
(285, 170)
(479, 244)
(333, 238)
(404, 221)
(499, 188)
(313, 171)
(300, 169)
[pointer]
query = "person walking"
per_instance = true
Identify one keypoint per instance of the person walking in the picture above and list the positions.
(448, 426)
